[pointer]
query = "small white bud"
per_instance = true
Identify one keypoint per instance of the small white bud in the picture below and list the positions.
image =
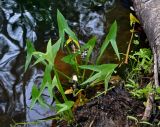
(74, 78)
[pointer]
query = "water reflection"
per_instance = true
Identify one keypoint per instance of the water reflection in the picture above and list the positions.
(15, 88)
(36, 22)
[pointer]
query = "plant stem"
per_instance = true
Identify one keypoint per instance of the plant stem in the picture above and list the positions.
(61, 73)
(86, 62)
(84, 72)
(77, 69)
(35, 122)
(129, 46)
(69, 114)
(75, 59)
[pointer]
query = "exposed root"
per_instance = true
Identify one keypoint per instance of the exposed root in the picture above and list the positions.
(92, 122)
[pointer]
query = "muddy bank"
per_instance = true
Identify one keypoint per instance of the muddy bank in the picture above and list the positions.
(110, 110)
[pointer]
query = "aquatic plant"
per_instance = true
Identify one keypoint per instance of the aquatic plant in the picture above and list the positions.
(98, 73)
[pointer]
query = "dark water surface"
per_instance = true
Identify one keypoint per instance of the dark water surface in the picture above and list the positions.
(36, 20)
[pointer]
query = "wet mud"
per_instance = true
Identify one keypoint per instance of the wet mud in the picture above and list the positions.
(110, 110)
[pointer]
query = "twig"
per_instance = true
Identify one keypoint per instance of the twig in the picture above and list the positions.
(149, 106)
(92, 121)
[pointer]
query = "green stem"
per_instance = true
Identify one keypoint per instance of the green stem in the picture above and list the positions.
(84, 72)
(76, 66)
(77, 69)
(35, 122)
(60, 86)
(61, 73)
(69, 112)
(86, 62)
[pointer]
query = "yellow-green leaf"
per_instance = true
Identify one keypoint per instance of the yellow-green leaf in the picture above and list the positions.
(72, 40)
(133, 19)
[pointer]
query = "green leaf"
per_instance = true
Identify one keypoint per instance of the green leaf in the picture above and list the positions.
(51, 87)
(64, 107)
(49, 53)
(55, 49)
(113, 31)
(35, 94)
(39, 56)
(55, 83)
(63, 27)
(62, 24)
(114, 45)
(52, 51)
(90, 67)
(70, 59)
(103, 70)
(107, 78)
(111, 37)
(158, 90)
(42, 102)
(94, 77)
(71, 34)
(30, 50)
(90, 45)
(95, 82)
(107, 68)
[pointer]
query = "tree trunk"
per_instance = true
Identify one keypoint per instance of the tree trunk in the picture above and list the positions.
(148, 12)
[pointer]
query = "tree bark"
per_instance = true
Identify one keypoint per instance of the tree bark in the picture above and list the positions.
(148, 12)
